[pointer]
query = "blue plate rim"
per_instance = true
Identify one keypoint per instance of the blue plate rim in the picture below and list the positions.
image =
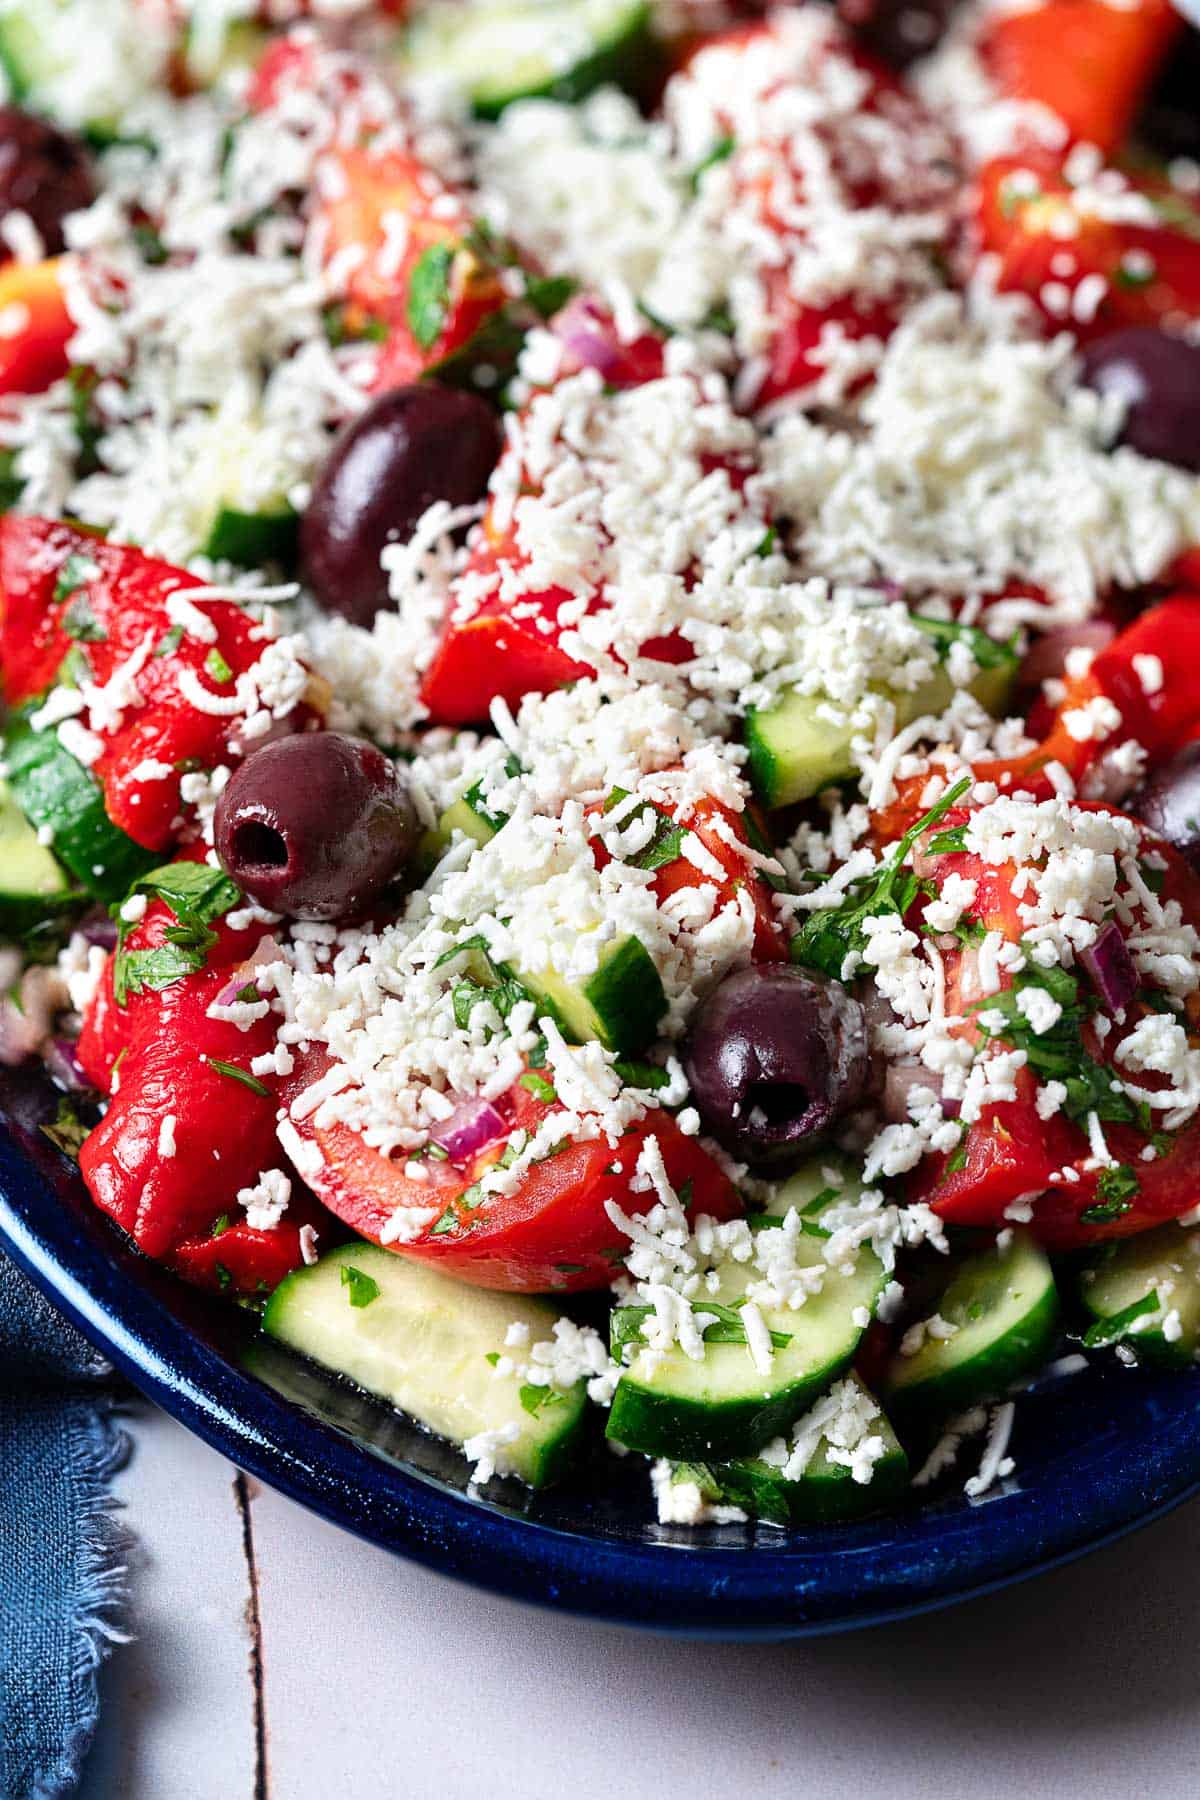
(815, 1583)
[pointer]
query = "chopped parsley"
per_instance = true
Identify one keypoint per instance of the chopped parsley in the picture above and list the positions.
(533, 1399)
(429, 294)
(539, 1087)
(79, 621)
(68, 1131)
(1115, 1191)
(361, 1288)
(75, 573)
(197, 894)
(216, 666)
(665, 843)
(235, 1072)
(827, 937)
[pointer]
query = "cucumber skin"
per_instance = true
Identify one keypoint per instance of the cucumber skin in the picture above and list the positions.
(1150, 1346)
(831, 1497)
(53, 788)
(984, 1376)
(777, 783)
(632, 61)
(249, 539)
(549, 1461)
(688, 1430)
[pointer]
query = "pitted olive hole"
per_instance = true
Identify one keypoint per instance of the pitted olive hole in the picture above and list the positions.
(258, 846)
(774, 1105)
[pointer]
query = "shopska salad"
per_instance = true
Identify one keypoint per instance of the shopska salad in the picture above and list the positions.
(600, 631)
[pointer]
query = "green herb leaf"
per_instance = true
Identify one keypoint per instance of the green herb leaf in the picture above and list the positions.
(539, 1087)
(429, 294)
(216, 666)
(362, 1289)
(68, 1130)
(828, 936)
(80, 622)
(170, 641)
(235, 1072)
(1115, 1190)
(721, 151)
(220, 1226)
(75, 573)
(533, 1399)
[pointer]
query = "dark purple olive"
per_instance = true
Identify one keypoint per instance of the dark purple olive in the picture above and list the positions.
(1169, 802)
(897, 31)
(1169, 123)
(411, 447)
(1158, 378)
(775, 1057)
(315, 826)
(43, 173)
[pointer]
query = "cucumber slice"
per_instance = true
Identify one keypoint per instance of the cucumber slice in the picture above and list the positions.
(825, 1493)
(794, 752)
(55, 791)
(47, 53)
(720, 1407)
(216, 44)
(620, 1004)
(34, 888)
(498, 51)
(251, 539)
(1133, 1287)
(422, 1342)
(1005, 1306)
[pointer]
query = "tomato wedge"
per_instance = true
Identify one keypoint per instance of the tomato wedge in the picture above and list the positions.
(38, 327)
(552, 1233)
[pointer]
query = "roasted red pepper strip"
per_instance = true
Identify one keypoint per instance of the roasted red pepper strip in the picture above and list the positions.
(425, 273)
(245, 1259)
(551, 1233)
(1085, 269)
(1088, 61)
(165, 1185)
(33, 348)
(56, 581)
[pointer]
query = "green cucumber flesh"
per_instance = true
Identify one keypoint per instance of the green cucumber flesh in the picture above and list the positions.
(498, 51)
(621, 1004)
(794, 752)
(826, 1492)
(422, 1342)
(1162, 1266)
(34, 887)
(56, 792)
(720, 1407)
(1004, 1305)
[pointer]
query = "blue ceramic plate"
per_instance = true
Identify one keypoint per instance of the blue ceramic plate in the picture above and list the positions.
(1096, 1455)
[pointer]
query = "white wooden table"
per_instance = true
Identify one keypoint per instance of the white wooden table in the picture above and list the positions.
(278, 1659)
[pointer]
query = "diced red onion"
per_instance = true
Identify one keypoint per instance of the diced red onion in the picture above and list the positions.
(63, 1065)
(1110, 969)
(901, 1080)
(469, 1127)
(266, 951)
(100, 930)
(1047, 655)
(588, 335)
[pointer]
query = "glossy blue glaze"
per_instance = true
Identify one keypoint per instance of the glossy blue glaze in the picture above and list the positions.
(1097, 1454)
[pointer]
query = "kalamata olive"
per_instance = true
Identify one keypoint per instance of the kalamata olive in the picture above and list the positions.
(1158, 377)
(1169, 123)
(315, 825)
(775, 1057)
(897, 31)
(1169, 802)
(43, 172)
(411, 447)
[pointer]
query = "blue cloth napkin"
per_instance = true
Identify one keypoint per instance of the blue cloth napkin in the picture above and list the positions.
(61, 1573)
